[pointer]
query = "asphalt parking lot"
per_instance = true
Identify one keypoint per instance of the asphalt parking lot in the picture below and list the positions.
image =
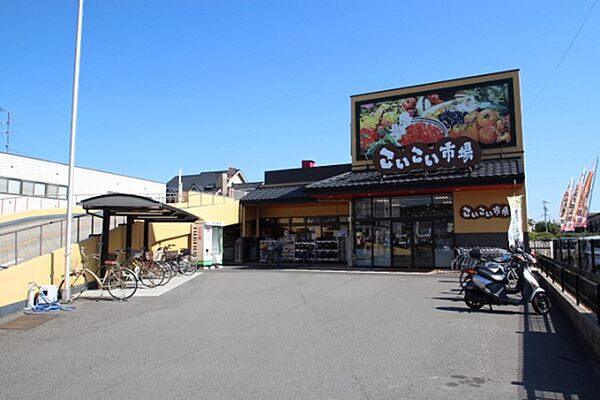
(267, 334)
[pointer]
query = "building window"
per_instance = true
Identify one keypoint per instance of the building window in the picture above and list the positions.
(381, 207)
(14, 186)
(52, 191)
(362, 208)
(3, 185)
(39, 189)
(62, 192)
(27, 188)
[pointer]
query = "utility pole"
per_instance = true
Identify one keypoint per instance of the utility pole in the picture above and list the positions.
(8, 115)
(544, 202)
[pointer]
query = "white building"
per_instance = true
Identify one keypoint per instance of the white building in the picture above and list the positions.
(28, 183)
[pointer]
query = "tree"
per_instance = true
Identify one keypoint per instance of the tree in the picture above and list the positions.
(553, 227)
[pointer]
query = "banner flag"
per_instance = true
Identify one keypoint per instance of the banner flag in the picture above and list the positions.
(565, 206)
(515, 229)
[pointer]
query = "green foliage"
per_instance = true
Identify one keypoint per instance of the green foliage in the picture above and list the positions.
(553, 227)
(541, 236)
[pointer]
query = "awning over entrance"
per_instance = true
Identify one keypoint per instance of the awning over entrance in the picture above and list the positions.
(134, 208)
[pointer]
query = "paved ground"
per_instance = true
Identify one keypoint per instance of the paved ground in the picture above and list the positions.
(248, 334)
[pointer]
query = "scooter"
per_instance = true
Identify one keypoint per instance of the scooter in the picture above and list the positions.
(487, 287)
(506, 265)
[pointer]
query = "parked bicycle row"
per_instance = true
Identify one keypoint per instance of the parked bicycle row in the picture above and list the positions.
(125, 270)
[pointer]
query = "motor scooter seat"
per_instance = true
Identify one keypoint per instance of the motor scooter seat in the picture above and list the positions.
(496, 277)
(493, 267)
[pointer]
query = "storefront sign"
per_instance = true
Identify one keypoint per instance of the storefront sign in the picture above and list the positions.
(480, 108)
(493, 211)
(445, 153)
(515, 230)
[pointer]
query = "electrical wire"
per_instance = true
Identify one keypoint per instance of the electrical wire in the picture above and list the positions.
(562, 58)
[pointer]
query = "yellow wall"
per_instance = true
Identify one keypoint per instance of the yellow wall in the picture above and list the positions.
(178, 234)
(485, 198)
(226, 213)
(43, 270)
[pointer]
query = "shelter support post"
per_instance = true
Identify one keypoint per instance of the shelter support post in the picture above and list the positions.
(146, 234)
(105, 237)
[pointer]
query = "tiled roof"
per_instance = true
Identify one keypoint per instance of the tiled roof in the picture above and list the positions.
(276, 194)
(500, 170)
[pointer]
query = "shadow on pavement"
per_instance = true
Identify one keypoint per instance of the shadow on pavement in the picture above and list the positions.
(483, 310)
(562, 373)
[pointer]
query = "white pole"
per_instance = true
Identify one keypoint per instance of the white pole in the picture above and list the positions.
(67, 289)
(180, 188)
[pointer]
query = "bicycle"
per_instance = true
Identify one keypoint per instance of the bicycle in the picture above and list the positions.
(120, 282)
(149, 273)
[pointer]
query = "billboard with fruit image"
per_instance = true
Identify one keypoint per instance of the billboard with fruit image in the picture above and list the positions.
(483, 111)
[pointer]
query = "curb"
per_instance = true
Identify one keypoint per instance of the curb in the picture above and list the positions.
(585, 321)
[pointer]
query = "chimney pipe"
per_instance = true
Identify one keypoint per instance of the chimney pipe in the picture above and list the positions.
(308, 164)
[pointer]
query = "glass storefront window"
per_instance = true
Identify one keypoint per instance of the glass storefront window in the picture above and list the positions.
(381, 207)
(382, 252)
(298, 221)
(444, 242)
(411, 206)
(362, 208)
(283, 221)
(363, 245)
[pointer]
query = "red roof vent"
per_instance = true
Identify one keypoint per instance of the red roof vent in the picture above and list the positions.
(308, 163)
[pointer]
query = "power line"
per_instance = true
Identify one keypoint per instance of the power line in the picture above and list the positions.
(566, 51)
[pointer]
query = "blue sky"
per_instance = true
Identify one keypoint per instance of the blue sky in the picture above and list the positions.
(261, 85)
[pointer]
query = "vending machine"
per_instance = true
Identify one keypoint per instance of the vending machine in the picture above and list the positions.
(207, 242)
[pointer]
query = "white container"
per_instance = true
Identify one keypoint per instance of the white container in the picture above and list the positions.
(50, 294)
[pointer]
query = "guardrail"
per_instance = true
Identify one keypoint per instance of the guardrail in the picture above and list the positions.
(581, 253)
(27, 243)
(584, 286)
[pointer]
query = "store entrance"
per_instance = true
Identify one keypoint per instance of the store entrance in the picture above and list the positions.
(404, 232)
(412, 244)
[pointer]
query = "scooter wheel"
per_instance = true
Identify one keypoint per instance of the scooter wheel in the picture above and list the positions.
(541, 303)
(471, 302)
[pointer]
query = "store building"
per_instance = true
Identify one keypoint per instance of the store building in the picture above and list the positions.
(432, 169)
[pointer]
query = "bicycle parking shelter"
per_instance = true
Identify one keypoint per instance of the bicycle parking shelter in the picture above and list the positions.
(409, 197)
(134, 208)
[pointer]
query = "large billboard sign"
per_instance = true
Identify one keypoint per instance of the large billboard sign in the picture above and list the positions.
(484, 109)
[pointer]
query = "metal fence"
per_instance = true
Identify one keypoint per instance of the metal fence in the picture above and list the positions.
(27, 243)
(584, 286)
(542, 247)
(582, 253)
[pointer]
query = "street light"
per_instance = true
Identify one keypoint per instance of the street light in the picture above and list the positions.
(67, 289)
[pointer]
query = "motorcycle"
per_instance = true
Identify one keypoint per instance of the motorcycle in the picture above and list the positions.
(489, 287)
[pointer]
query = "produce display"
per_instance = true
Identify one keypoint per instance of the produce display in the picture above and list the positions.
(481, 113)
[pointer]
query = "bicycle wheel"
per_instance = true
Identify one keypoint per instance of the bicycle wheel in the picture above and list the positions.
(169, 273)
(187, 267)
(121, 283)
(151, 275)
(78, 285)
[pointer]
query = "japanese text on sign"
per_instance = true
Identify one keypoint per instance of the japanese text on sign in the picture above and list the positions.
(446, 153)
(494, 211)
